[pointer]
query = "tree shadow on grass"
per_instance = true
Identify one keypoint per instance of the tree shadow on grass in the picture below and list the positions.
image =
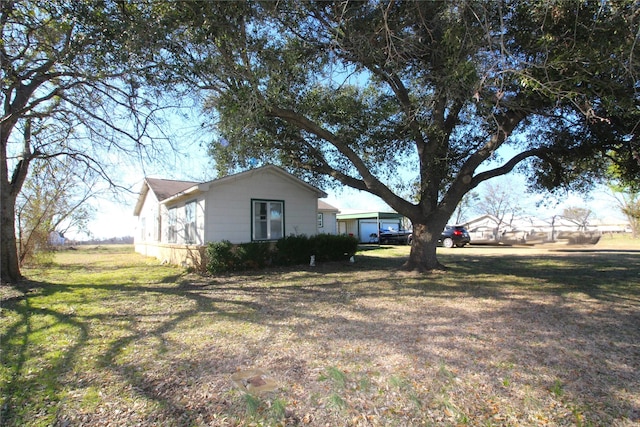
(604, 275)
(340, 306)
(21, 378)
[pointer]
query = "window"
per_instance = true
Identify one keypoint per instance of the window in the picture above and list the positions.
(320, 220)
(157, 229)
(143, 229)
(190, 222)
(172, 222)
(268, 220)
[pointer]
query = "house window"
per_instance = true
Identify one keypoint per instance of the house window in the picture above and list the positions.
(190, 222)
(143, 229)
(320, 220)
(172, 222)
(157, 229)
(268, 219)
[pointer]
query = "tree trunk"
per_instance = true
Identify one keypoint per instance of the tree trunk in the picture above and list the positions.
(423, 249)
(9, 189)
(9, 267)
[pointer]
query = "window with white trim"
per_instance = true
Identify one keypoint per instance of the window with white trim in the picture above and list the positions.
(172, 223)
(268, 219)
(190, 222)
(320, 220)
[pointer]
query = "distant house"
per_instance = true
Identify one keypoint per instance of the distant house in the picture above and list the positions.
(56, 238)
(529, 229)
(176, 219)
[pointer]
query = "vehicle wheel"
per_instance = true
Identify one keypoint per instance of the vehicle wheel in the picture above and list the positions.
(447, 242)
(460, 245)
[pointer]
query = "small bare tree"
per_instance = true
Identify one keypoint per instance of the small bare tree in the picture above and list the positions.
(628, 201)
(501, 203)
(53, 199)
(467, 203)
(578, 215)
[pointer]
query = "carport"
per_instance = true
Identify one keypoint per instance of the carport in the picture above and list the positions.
(365, 225)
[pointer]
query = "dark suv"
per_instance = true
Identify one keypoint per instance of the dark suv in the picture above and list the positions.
(454, 235)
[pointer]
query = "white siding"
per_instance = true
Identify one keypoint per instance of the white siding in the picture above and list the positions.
(146, 220)
(329, 223)
(228, 214)
(180, 211)
(350, 227)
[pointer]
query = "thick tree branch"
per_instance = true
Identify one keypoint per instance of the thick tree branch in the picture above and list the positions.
(509, 165)
(371, 183)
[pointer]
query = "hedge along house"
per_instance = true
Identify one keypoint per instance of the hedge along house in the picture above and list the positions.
(176, 219)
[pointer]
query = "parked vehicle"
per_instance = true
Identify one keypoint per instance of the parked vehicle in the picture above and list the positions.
(453, 235)
(401, 237)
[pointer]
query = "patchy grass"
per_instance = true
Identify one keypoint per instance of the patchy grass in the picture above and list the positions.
(508, 336)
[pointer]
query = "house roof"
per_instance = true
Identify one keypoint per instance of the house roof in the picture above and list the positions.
(166, 189)
(370, 215)
(324, 206)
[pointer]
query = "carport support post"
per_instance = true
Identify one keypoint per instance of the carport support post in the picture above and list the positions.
(378, 225)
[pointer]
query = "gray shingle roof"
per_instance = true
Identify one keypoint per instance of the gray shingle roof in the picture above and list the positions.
(165, 188)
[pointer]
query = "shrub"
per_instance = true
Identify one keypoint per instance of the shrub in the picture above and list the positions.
(328, 247)
(292, 250)
(220, 257)
(253, 255)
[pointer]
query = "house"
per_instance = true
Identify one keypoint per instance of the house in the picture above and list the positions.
(327, 218)
(366, 225)
(176, 219)
(529, 229)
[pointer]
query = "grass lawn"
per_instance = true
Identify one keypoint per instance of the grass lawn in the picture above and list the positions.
(507, 337)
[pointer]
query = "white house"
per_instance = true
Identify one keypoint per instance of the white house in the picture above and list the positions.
(176, 219)
(327, 221)
(489, 229)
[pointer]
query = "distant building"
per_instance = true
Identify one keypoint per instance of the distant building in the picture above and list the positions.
(529, 229)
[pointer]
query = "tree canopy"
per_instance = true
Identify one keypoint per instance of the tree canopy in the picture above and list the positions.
(387, 96)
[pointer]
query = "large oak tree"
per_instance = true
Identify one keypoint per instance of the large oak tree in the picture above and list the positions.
(448, 94)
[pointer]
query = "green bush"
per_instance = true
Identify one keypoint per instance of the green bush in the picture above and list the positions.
(220, 257)
(253, 255)
(293, 250)
(223, 256)
(335, 248)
